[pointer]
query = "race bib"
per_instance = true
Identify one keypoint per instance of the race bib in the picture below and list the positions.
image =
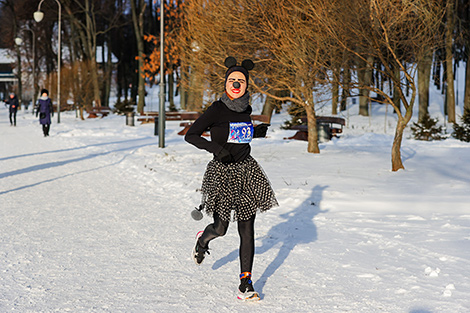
(241, 132)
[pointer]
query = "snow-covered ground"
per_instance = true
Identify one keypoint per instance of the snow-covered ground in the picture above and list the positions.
(96, 218)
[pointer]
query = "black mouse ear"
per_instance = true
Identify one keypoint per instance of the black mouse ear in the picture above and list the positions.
(230, 61)
(248, 64)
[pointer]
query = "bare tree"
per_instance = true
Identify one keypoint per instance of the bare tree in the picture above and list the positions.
(86, 20)
(397, 33)
(295, 60)
(282, 41)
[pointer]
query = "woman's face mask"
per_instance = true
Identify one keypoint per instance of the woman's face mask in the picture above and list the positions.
(236, 85)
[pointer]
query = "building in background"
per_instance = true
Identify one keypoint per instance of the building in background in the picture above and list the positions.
(7, 77)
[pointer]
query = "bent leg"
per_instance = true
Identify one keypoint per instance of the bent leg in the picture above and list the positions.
(214, 230)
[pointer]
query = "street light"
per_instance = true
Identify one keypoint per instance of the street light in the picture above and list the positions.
(19, 42)
(161, 110)
(38, 16)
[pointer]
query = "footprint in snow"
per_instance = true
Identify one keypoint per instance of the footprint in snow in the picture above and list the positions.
(448, 291)
(432, 273)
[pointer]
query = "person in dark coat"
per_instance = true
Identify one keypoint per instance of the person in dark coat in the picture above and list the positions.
(13, 103)
(234, 187)
(45, 110)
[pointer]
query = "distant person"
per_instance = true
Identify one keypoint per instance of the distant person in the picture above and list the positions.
(45, 110)
(13, 103)
(234, 186)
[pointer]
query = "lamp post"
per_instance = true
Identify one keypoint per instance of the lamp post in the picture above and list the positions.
(38, 16)
(19, 41)
(19, 72)
(161, 111)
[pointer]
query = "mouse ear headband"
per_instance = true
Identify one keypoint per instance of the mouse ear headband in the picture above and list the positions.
(231, 64)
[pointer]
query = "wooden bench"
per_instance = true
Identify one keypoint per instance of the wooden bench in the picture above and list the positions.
(95, 111)
(327, 126)
(187, 125)
(260, 118)
(149, 117)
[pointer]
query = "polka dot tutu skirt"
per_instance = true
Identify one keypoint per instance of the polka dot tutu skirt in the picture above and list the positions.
(240, 187)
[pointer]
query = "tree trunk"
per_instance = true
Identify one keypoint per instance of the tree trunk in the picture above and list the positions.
(312, 128)
(403, 120)
(171, 91)
(346, 93)
(450, 103)
(424, 78)
(396, 148)
(271, 104)
(365, 79)
(81, 113)
(91, 48)
(396, 89)
(335, 88)
(96, 85)
(195, 93)
(182, 89)
(268, 107)
(334, 98)
(138, 21)
(466, 102)
(108, 74)
(363, 94)
(134, 81)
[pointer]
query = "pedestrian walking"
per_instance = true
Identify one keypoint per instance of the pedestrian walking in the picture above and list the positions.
(234, 187)
(13, 103)
(45, 110)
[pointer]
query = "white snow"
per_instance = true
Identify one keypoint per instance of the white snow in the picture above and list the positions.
(96, 218)
(5, 57)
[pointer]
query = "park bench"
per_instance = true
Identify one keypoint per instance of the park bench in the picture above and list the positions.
(95, 112)
(327, 126)
(149, 117)
(152, 117)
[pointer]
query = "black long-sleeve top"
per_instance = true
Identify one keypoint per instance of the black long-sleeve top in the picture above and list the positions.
(218, 118)
(13, 103)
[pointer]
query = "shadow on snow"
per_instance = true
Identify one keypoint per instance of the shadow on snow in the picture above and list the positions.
(298, 228)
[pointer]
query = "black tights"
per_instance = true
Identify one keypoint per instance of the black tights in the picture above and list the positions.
(246, 230)
(13, 118)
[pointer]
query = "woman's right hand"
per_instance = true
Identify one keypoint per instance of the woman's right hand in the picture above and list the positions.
(224, 156)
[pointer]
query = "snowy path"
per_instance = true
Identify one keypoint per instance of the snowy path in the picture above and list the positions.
(96, 218)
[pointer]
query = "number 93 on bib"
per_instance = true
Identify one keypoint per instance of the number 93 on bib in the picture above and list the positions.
(240, 132)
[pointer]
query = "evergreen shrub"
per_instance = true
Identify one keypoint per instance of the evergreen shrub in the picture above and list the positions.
(427, 129)
(462, 132)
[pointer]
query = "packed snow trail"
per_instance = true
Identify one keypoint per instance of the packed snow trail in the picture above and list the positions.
(96, 218)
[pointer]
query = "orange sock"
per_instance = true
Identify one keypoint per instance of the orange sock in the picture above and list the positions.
(245, 274)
